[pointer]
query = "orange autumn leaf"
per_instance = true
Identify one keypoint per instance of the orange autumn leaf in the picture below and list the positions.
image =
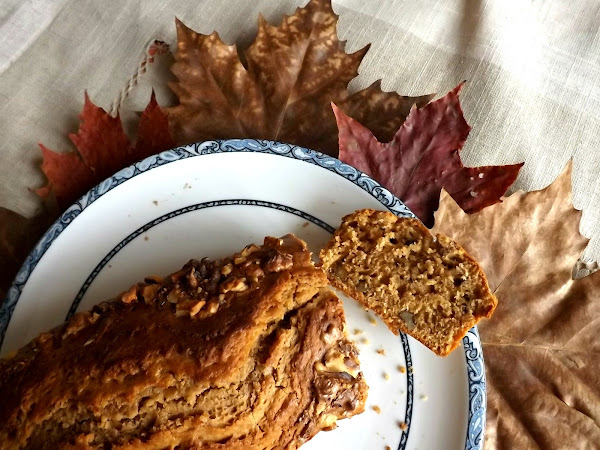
(283, 90)
(542, 346)
(103, 148)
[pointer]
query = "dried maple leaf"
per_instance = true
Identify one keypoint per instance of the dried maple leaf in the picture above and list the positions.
(18, 235)
(292, 73)
(103, 149)
(542, 347)
(423, 157)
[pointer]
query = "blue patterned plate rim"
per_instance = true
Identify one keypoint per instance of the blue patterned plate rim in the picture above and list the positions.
(471, 342)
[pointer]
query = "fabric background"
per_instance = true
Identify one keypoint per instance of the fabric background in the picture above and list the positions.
(533, 71)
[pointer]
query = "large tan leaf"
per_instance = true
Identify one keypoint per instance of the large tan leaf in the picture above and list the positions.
(542, 347)
(292, 73)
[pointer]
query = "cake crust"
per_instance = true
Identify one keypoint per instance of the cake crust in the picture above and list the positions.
(425, 286)
(248, 352)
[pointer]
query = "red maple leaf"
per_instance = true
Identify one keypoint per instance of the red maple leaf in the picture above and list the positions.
(103, 148)
(423, 157)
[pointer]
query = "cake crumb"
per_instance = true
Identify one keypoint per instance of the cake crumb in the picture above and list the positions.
(387, 447)
(381, 351)
(424, 397)
(146, 238)
(372, 320)
(155, 202)
(386, 375)
(364, 341)
(401, 369)
(376, 408)
(357, 331)
(403, 426)
(305, 224)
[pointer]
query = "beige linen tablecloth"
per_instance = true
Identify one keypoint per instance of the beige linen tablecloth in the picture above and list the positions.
(533, 71)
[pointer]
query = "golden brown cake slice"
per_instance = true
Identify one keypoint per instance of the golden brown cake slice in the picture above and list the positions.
(425, 286)
(249, 352)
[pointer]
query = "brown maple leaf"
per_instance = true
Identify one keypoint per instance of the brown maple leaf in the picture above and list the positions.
(292, 72)
(542, 347)
(103, 148)
(423, 157)
(18, 235)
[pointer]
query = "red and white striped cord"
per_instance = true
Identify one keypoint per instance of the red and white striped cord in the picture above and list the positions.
(154, 49)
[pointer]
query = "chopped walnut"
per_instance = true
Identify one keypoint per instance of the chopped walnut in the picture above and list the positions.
(408, 317)
(197, 307)
(335, 361)
(173, 296)
(191, 278)
(340, 271)
(234, 285)
(149, 292)
(254, 271)
(239, 259)
(226, 269)
(248, 250)
(279, 262)
(130, 295)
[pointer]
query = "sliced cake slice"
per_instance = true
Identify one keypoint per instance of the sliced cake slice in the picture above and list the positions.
(425, 286)
(246, 352)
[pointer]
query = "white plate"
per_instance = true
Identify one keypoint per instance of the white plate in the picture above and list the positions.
(211, 199)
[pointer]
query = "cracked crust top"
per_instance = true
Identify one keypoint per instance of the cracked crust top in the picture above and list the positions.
(248, 352)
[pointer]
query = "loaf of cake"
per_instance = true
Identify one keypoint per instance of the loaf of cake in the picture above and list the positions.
(425, 286)
(248, 352)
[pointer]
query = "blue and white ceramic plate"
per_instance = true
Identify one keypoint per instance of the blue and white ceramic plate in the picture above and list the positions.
(211, 199)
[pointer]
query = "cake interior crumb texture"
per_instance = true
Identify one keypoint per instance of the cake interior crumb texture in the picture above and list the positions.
(247, 352)
(425, 286)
